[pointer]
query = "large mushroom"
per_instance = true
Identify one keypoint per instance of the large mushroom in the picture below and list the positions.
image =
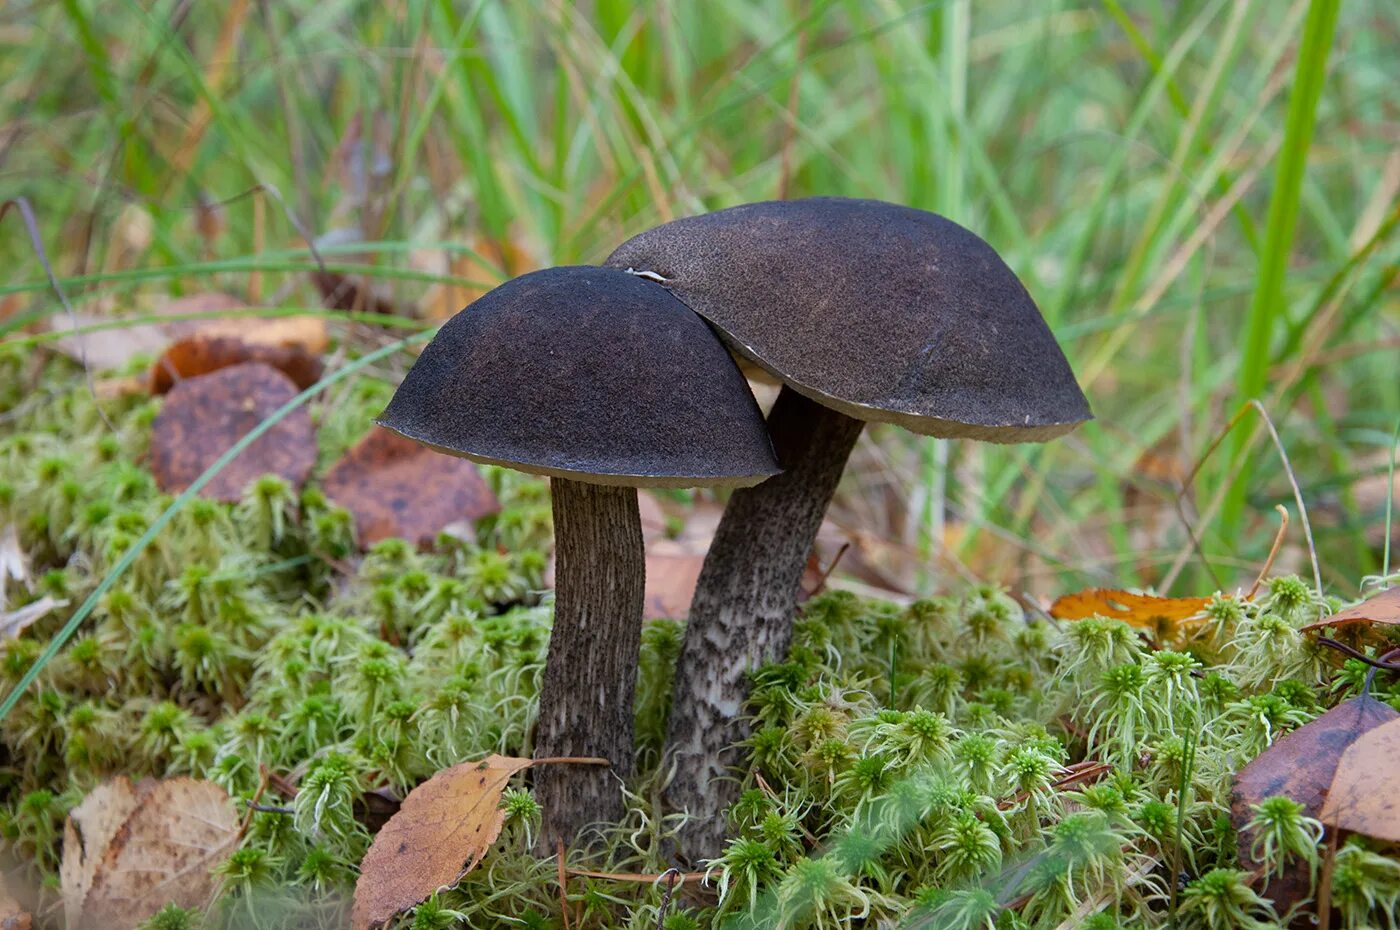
(865, 312)
(605, 383)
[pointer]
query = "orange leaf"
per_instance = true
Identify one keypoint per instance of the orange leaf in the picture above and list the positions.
(396, 487)
(440, 833)
(1363, 796)
(1140, 610)
(292, 345)
(203, 417)
(1381, 608)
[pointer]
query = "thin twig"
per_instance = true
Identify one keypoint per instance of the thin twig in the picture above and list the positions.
(563, 883)
(1273, 552)
(671, 875)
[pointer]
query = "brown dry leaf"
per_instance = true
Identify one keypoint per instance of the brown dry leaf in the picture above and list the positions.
(1383, 608)
(1365, 794)
(292, 345)
(130, 850)
(440, 833)
(1158, 614)
(15, 622)
(203, 417)
(1302, 766)
(673, 568)
(113, 348)
(396, 487)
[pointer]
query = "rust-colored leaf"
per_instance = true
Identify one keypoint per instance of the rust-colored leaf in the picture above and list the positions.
(203, 417)
(292, 345)
(440, 833)
(1365, 794)
(1301, 766)
(396, 487)
(1159, 614)
(129, 850)
(1382, 608)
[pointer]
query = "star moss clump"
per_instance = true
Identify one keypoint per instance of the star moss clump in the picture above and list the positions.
(954, 762)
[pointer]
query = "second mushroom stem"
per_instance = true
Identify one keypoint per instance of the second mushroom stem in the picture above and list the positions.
(590, 676)
(742, 613)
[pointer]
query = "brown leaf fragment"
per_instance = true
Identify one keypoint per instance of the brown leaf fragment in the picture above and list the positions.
(15, 622)
(203, 417)
(672, 572)
(440, 833)
(113, 348)
(87, 833)
(1161, 615)
(1365, 794)
(1382, 608)
(13, 915)
(292, 345)
(1301, 766)
(130, 850)
(395, 487)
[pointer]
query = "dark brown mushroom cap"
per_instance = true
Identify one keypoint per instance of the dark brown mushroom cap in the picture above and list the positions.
(883, 312)
(586, 373)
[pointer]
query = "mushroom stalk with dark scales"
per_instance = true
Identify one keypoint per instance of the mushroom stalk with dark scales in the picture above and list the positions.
(864, 311)
(747, 594)
(590, 675)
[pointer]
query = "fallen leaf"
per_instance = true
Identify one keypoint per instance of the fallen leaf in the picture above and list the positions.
(1383, 608)
(89, 830)
(440, 833)
(16, 622)
(113, 348)
(292, 345)
(14, 564)
(673, 568)
(1301, 766)
(203, 417)
(395, 487)
(1158, 614)
(13, 915)
(130, 850)
(1365, 794)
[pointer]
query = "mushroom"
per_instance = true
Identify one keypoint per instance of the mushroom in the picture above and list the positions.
(603, 382)
(865, 312)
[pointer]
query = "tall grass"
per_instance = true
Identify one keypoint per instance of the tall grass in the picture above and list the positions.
(1200, 194)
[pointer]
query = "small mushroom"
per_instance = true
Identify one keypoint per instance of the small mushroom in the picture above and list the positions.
(605, 383)
(865, 312)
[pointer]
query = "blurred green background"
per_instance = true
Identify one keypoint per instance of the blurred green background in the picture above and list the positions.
(1202, 197)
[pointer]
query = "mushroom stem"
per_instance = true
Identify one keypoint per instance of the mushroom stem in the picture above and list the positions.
(590, 676)
(744, 605)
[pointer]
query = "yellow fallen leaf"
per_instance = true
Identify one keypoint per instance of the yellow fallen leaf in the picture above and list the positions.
(1161, 615)
(439, 834)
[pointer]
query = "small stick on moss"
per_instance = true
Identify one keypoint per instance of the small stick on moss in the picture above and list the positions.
(563, 883)
(1273, 552)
